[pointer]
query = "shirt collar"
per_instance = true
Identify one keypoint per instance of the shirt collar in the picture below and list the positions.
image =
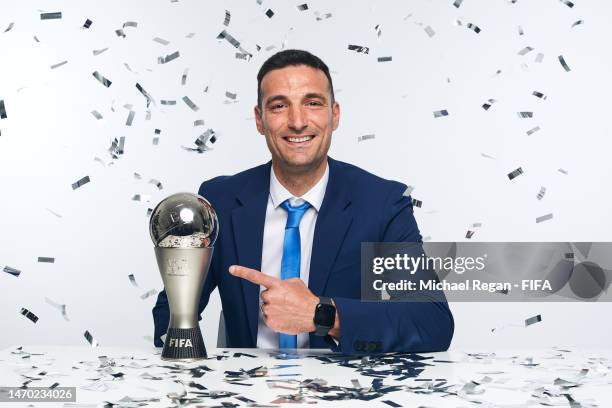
(314, 196)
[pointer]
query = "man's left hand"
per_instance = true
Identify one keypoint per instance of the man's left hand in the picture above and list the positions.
(288, 305)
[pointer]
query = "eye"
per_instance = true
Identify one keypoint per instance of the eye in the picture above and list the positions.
(314, 103)
(277, 106)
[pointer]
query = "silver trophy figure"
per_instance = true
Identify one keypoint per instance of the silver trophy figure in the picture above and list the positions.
(184, 229)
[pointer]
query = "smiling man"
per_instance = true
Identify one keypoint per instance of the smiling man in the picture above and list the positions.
(287, 258)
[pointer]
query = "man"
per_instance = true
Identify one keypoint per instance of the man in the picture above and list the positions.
(287, 258)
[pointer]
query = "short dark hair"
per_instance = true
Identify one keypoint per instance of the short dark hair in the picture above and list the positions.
(286, 58)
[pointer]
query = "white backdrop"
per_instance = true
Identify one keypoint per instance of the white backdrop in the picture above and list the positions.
(457, 164)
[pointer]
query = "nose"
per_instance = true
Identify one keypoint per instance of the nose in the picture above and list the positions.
(296, 121)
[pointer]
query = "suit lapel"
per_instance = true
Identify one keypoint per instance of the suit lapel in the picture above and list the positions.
(248, 226)
(333, 222)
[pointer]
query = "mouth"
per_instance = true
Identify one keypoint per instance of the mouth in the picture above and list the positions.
(298, 140)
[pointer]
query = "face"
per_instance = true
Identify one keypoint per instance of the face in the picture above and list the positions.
(297, 117)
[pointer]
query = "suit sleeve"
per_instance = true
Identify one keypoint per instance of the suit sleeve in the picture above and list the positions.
(161, 310)
(414, 326)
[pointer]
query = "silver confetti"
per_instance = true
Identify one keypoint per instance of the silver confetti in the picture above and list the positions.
(515, 173)
(199, 122)
(269, 13)
(156, 183)
(417, 203)
(323, 16)
(33, 318)
(302, 7)
(190, 103)
(130, 24)
(2, 109)
(120, 33)
(132, 280)
(539, 58)
(539, 95)
(408, 191)
(365, 137)
(532, 130)
(161, 41)
(541, 193)
(46, 259)
(167, 102)
(457, 3)
(488, 104)
(141, 197)
(230, 95)
(137, 176)
(229, 38)
(60, 307)
(101, 78)
(577, 23)
(440, 113)
(190, 35)
(228, 16)
(487, 156)
(51, 16)
(385, 59)
(525, 51)
(12, 271)
(525, 115)
(149, 293)
(90, 339)
(520, 30)
(36, 39)
(543, 218)
(11, 24)
(359, 49)
(378, 30)
(564, 64)
(98, 52)
(145, 94)
(81, 182)
(477, 225)
(168, 58)
(87, 23)
(469, 234)
(533, 320)
(471, 26)
(117, 147)
(96, 114)
(130, 118)
(567, 3)
(563, 171)
(184, 77)
(430, 31)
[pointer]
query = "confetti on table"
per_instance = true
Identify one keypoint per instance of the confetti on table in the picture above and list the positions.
(33, 318)
(564, 64)
(515, 173)
(543, 218)
(46, 259)
(51, 16)
(12, 271)
(440, 113)
(101, 78)
(81, 182)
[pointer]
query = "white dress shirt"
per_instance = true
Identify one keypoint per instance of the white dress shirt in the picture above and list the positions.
(274, 235)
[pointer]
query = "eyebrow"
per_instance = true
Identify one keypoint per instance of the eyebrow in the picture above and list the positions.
(309, 95)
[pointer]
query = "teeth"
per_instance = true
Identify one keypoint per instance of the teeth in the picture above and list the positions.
(299, 139)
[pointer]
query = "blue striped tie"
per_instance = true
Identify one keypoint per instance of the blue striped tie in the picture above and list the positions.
(290, 265)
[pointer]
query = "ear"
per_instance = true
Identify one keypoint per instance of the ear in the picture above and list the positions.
(258, 119)
(335, 115)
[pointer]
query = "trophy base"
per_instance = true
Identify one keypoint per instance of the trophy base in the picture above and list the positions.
(184, 345)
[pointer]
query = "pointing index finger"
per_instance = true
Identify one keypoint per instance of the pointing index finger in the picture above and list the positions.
(253, 275)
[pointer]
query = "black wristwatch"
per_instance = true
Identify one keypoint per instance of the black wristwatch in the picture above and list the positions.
(324, 317)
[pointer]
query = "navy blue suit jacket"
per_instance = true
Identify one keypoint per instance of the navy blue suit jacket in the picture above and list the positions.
(357, 207)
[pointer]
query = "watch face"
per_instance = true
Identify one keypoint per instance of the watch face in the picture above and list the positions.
(325, 315)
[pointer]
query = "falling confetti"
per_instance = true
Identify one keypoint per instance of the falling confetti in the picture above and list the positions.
(539, 95)
(567, 3)
(269, 13)
(228, 16)
(90, 339)
(533, 320)
(359, 49)
(46, 259)
(417, 203)
(2, 109)
(488, 104)
(577, 23)
(532, 130)
(81, 182)
(161, 41)
(87, 23)
(51, 16)
(100, 51)
(168, 58)
(541, 193)
(12, 271)
(457, 3)
(385, 59)
(563, 171)
(543, 218)
(514, 174)
(525, 51)
(189, 103)
(11, 24)
(564, 64)
(302, 7)
(525, 115)
(366, 137)
(33, 318)
(440, 113)
(430, 31)
(101, 78)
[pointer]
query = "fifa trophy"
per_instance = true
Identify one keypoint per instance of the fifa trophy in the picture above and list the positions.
(184, 229)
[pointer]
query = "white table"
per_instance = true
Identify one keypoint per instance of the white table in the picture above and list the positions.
(507, 379)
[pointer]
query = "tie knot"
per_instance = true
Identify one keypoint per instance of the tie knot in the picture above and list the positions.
(294, 214)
